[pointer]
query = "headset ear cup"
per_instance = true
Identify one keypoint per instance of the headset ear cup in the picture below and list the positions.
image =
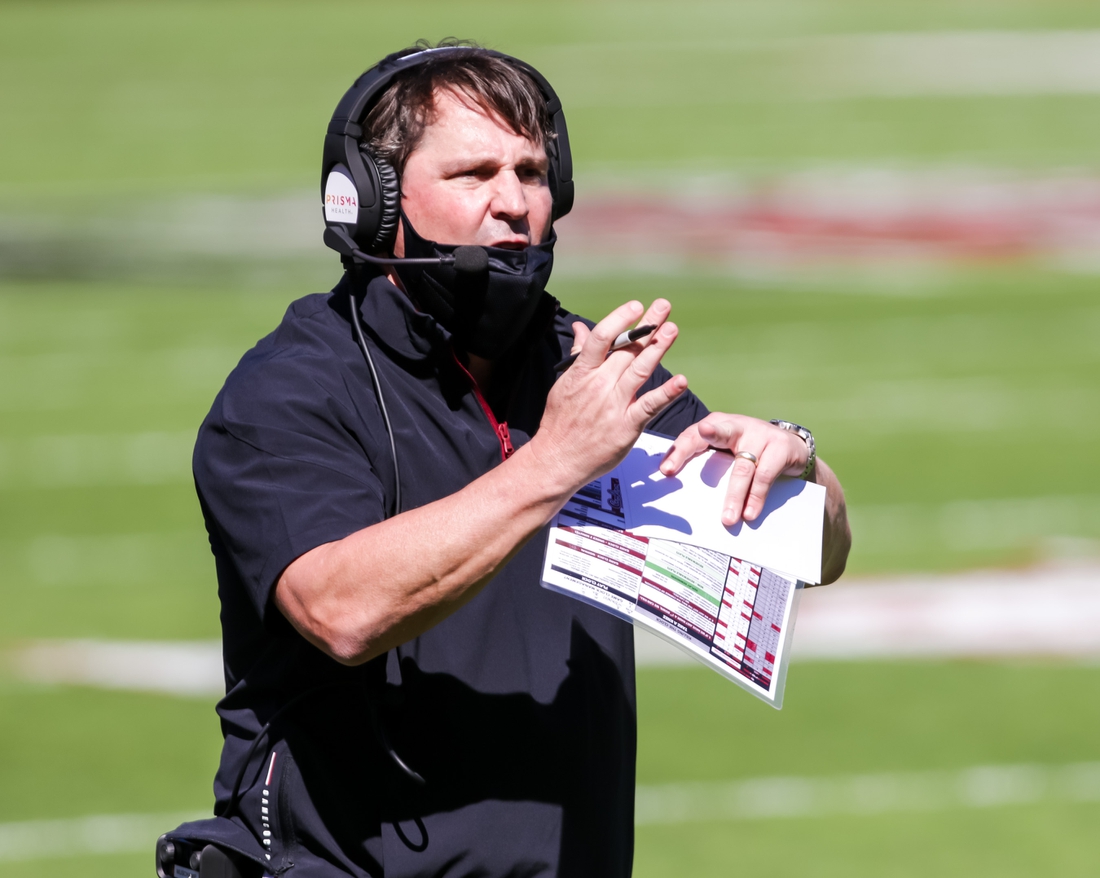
(389, 204)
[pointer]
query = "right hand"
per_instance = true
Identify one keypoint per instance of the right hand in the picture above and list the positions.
(592, 417)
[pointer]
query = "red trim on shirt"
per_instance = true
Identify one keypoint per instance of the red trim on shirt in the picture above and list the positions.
(499, 427)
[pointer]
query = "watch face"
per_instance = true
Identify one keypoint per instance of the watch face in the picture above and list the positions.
(794, 428)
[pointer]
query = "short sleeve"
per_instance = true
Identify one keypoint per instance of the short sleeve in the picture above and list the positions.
(281, 467)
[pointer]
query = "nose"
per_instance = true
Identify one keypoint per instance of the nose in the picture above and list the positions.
(509, 199)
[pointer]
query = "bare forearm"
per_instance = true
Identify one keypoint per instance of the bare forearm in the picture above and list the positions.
(836, 538)
(361, 596)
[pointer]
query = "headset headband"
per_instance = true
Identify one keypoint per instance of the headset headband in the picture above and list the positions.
(361, 194)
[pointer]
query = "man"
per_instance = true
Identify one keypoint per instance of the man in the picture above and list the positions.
(403, 698)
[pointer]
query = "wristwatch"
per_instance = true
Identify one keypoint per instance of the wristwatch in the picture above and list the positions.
(806, 437)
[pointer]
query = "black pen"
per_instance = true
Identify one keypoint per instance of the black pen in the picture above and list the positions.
(623, 339)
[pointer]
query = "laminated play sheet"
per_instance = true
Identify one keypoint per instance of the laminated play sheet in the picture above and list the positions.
(626, 543)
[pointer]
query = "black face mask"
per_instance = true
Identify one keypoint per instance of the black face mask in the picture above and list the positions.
(485, 311)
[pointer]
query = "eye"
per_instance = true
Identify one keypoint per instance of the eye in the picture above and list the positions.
(476, 173)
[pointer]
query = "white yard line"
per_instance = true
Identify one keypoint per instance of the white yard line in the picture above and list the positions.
(1051, 611)
(84, 836)
(765, 798)
(965, 63)
(954, 63)
(1047, 612)
(986, 786)
(183, 668)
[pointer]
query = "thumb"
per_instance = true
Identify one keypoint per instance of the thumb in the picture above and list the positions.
(580, 334)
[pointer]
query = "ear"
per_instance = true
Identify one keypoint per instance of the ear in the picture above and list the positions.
(399, 238)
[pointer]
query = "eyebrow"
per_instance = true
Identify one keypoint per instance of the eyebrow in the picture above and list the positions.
(487, 160)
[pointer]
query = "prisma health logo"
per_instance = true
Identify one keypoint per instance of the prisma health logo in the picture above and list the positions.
(341, 199)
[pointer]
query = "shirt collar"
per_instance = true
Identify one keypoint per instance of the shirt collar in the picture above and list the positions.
(390, 316)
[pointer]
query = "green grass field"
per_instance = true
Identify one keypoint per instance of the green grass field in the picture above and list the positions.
(959, 407)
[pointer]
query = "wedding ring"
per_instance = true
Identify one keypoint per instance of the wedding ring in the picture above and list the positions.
(748, 455)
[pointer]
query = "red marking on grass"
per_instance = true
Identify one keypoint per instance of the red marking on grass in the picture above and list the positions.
(807, 218)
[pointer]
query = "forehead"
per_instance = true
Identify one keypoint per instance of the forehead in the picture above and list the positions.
(459, 124)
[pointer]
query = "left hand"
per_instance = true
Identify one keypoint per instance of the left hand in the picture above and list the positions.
(778, 453)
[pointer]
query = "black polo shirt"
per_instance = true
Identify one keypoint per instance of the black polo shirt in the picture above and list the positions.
(518, 710)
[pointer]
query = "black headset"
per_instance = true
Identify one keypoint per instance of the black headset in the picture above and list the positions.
(361, 194)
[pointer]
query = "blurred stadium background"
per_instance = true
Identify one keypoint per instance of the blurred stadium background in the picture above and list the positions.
(881, 219)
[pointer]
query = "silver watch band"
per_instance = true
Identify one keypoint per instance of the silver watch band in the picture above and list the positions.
(807, 437)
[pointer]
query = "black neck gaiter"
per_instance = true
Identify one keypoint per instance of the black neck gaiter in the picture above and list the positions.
(486, 312)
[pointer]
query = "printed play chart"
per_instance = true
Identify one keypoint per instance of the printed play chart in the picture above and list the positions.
(632, 543)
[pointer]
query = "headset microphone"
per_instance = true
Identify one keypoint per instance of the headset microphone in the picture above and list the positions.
(468, 259)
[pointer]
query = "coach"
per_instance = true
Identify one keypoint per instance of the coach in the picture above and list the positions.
(403, 698)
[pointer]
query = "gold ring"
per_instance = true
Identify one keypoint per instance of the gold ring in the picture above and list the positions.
(748, 455)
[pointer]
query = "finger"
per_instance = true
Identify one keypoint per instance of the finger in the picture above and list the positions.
(649, 405)
(656, 315)
(634, 369)
(741, 478)
(773, 459)
(687, 445)
(603, 335)
(580, 334)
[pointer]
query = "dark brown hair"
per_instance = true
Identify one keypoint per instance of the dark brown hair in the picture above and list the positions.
(395, 124)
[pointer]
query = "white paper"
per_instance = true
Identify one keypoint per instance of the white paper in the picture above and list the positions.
(735, 617)
(786, 536)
